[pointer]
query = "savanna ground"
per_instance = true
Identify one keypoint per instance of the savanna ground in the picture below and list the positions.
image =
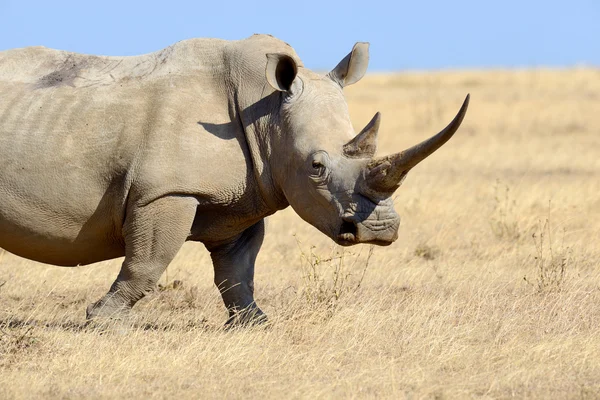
(492, 289)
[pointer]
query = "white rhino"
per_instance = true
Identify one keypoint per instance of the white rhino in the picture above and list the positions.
(103, 157)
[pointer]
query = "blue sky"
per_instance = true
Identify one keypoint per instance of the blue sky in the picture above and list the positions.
(403, 34)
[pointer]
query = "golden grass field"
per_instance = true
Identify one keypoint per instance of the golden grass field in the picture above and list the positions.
(492, 289)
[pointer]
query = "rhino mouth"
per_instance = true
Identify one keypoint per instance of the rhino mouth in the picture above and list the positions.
(348, 233)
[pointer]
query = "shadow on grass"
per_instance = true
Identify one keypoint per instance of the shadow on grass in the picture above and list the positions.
(133, 324)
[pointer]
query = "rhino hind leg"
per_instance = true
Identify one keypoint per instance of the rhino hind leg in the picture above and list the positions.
(153, 235)
(234, 275)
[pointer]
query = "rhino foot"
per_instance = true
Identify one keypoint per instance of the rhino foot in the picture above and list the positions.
(106, 309)
(250, 316)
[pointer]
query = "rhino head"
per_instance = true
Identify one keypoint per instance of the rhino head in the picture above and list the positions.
(328, 175)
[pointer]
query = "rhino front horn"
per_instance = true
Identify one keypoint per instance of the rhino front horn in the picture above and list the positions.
(385, 174)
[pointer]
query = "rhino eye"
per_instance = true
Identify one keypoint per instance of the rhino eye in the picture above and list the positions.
(319, 166)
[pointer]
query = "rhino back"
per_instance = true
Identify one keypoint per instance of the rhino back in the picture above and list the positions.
(44, 67)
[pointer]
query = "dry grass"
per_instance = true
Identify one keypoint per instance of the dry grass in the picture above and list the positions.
(492, 290)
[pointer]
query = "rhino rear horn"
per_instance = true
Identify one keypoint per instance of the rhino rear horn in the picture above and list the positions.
(364, 145)
(353, 67)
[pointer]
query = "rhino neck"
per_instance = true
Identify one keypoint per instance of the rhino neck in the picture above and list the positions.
(260, 133)
(255, 106)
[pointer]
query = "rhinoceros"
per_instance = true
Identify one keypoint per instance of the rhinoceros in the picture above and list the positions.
(103, 157)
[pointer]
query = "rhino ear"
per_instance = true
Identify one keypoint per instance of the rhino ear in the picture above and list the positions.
(281, 71)
(353, 67)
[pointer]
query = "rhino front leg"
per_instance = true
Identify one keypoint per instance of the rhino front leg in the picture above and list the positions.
(153, 235)
(234, 274)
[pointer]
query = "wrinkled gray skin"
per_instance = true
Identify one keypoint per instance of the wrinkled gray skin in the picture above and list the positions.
(103, 157)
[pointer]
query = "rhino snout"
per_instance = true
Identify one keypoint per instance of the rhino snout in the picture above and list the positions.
(375, 229)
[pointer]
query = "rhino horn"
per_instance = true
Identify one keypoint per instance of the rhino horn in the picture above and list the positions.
(364, 144)
(385, 174)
